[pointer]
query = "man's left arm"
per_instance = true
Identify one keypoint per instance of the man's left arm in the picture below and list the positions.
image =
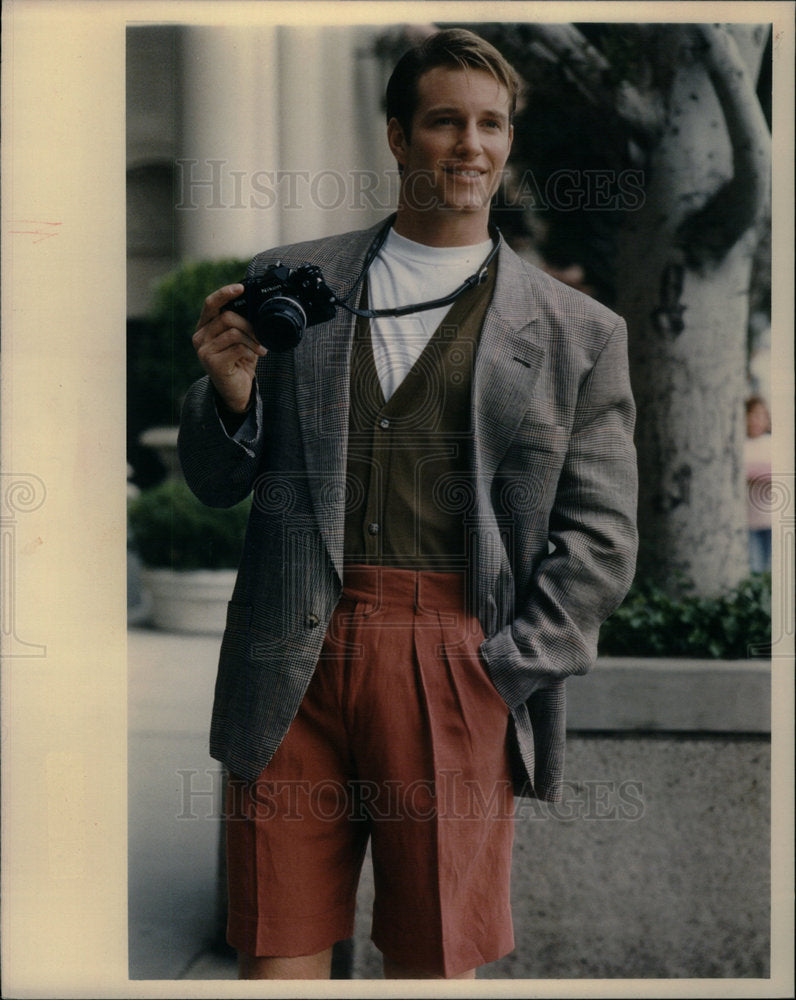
(592, 529)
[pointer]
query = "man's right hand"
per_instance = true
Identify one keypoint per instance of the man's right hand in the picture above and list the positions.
(227, 348)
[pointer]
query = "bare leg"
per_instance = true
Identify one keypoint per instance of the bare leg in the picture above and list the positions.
(302, 967)
(393, 970)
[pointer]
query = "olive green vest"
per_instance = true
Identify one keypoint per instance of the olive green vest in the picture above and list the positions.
(408, 483)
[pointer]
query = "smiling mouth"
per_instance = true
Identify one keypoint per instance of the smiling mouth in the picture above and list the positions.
(463, 172)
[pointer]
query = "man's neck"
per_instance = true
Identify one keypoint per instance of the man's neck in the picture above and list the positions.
(440, 229)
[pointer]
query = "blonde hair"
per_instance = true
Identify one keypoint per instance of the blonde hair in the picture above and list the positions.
(454, 47)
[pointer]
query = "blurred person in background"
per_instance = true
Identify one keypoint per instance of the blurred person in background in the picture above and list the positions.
(757, 457)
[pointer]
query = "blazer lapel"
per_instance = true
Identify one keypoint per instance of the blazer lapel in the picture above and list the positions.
(507, 367)
(323, 360)
(508, 363)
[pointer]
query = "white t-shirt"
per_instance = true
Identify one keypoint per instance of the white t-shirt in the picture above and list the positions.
(402, 273)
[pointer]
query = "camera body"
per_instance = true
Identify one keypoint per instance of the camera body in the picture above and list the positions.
(282, 302)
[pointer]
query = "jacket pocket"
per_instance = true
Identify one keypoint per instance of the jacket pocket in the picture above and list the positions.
(526, 478)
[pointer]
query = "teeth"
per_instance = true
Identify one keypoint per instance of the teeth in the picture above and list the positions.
(466, 173)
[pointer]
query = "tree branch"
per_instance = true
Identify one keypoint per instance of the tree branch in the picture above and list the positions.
(742, 202)
(593, 76)
(530, 45)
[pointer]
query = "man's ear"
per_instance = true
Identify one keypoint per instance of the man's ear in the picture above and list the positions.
(397, 140)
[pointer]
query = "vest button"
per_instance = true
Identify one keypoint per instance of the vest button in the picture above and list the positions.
(373, 528)
(384, 423)
(312, 621)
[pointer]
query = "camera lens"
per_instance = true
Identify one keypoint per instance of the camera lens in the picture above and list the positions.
(281, 323)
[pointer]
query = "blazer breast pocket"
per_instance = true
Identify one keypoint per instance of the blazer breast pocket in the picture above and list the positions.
(534, 435)
(527, 475)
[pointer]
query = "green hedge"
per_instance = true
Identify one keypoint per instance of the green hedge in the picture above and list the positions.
(650, 622)
(171, 528)
(161, 362)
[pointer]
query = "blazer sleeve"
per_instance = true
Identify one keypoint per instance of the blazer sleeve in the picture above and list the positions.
(219, 468)
(592, 531)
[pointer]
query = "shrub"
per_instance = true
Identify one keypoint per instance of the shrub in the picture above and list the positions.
(173, 529)
(650, 622)
(161, 361)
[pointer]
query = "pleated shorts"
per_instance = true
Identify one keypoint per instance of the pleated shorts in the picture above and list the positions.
(400, 740)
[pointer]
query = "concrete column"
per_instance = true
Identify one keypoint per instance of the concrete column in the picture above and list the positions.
(229, 142)
(332, 139)
(283, 137)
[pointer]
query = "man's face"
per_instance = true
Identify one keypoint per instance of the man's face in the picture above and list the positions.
(459, 143)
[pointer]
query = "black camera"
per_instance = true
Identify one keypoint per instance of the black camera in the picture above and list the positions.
(282, 302)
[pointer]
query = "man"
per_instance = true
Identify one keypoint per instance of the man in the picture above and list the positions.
(443, 515)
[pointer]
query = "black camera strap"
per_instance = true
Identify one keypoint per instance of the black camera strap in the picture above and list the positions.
(478, 278)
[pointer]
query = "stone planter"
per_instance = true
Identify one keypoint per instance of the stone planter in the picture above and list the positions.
(189, 600)
(163, 441)
(667, 694)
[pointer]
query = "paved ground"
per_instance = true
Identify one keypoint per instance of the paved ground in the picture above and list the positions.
(676, 887)
(173, 837)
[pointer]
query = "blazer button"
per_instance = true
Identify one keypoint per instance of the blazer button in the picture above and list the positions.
(312, 621)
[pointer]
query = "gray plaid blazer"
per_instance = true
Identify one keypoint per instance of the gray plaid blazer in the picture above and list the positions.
(552, 518)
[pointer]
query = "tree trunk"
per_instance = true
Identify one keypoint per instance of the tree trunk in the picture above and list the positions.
(687, 326)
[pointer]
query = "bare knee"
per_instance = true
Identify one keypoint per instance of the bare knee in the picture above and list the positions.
(394, 970)
(273, 967)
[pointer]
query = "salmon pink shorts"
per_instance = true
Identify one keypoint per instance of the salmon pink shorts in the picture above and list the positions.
(401, 740)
